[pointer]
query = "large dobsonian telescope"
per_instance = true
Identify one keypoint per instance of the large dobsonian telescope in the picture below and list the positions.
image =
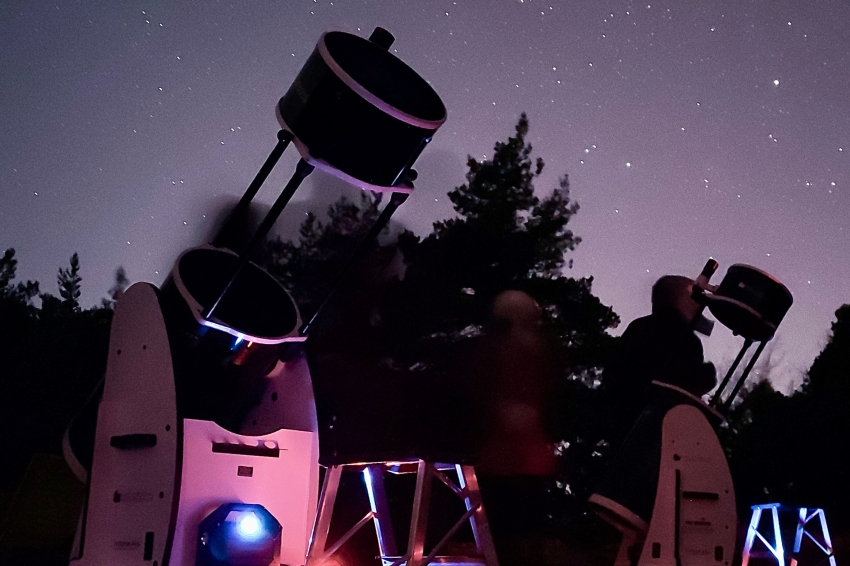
(669, 490)
(201, 446)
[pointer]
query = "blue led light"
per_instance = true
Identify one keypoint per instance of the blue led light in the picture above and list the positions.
(249, 526)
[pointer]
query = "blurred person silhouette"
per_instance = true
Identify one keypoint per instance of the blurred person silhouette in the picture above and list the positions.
(514, 378)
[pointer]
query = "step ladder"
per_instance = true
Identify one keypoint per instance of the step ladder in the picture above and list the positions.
(775, 550)
(465, 487)
(803, 519)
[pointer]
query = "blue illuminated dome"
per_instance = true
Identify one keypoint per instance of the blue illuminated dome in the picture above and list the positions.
(238, 534)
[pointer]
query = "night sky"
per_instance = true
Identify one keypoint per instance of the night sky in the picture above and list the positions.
(689, 129)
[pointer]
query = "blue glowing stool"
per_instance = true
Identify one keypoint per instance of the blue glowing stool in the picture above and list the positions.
(775, 550)
(803, 519)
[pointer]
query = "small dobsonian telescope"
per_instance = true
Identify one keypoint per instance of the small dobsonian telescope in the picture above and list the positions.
(751, 303)
(201, 446)
(669, 490)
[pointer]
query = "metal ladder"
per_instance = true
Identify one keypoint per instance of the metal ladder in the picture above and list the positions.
(466, 488)
(775, 551)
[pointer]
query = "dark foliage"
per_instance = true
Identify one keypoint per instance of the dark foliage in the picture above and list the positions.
(310, 268)
(69, 285)
(504, 238)
(792, 449)
(53, 354)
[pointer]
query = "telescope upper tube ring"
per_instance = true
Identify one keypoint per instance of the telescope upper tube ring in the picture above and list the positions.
(362, 111)
(430, 113)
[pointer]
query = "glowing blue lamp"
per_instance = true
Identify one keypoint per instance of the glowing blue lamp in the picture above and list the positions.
(238, 534)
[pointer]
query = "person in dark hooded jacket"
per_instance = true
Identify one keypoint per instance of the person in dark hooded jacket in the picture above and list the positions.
(659, 347)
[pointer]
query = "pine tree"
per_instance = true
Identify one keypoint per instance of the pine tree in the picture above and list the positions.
(505, 237)
(8, 267)
(830, 372)
(17, 313)
(20, 293)
(821, 462)
(69, 285)
(310, 268)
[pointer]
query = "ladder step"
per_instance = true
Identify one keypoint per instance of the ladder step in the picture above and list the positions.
(411, 467)
(442, 560)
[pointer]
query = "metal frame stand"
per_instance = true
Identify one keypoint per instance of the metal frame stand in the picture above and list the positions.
(802, 520)
(775, 550)
(466, 488)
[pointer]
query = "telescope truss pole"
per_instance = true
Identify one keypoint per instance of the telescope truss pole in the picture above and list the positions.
(302, 170)
(716, 399)
(740, 383)
(396, 200)
(284, 137)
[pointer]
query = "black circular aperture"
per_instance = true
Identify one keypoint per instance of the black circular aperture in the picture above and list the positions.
(256, 304)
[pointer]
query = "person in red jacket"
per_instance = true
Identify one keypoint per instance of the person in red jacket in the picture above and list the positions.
(514, 376)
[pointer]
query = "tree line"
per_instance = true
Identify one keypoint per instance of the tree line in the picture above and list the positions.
(406, 322)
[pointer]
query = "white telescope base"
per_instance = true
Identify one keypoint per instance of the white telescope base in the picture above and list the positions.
(155, 476)
(693, 520)
(274, 470)
(693, 516)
